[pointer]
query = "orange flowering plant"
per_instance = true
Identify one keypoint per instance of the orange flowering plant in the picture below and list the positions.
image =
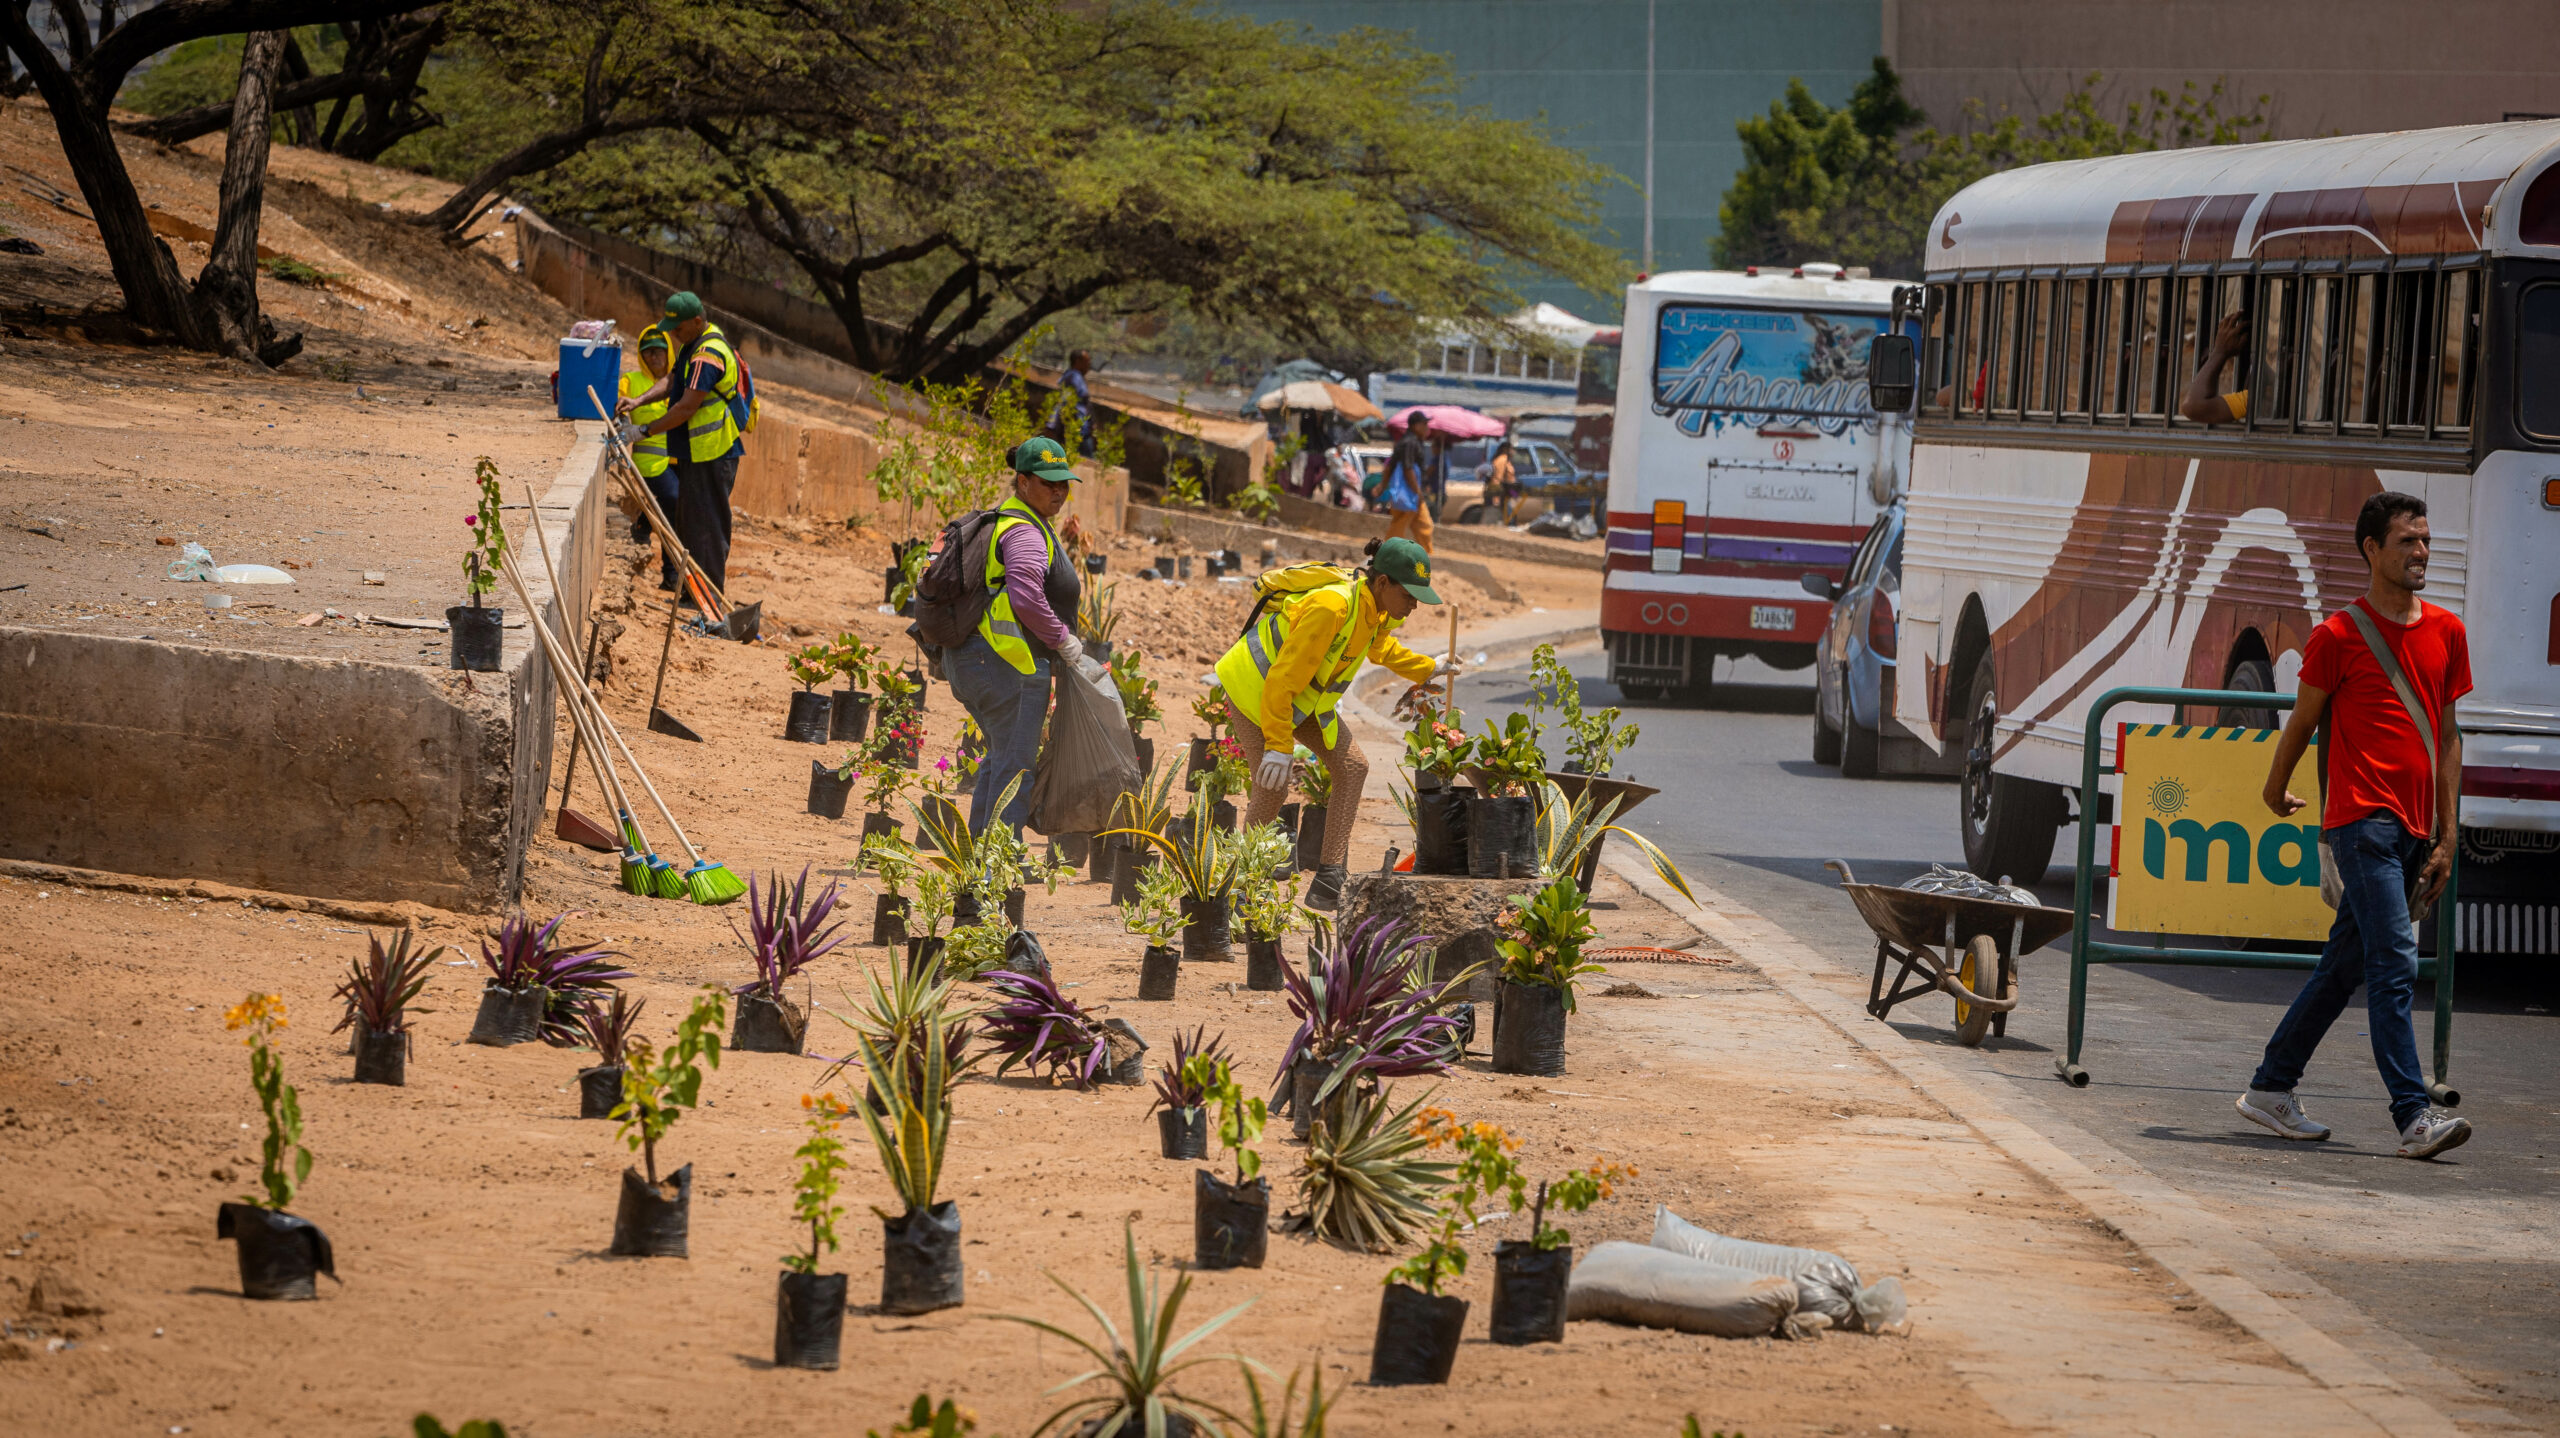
(262, 1015)
(1485, 1168)
(814, 1194)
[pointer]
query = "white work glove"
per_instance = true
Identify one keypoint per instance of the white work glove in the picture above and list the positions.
(628, 432)
(1273, 771)
(1071, 651)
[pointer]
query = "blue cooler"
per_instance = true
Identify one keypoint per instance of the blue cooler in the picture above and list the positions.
(584, 364)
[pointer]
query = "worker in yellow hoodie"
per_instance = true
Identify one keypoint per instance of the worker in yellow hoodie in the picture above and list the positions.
(1311, 630)
(649, 451)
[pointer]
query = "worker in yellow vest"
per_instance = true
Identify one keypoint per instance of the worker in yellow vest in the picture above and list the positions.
(704, 423)
(649, 451)
(1313, 626)
(1001, 676)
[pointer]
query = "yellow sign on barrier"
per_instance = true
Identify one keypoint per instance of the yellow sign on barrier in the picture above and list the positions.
(2197, 851)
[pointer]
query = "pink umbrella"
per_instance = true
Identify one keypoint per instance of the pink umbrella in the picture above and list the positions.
(1451, 421)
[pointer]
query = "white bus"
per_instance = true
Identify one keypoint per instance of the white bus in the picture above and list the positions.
(1744, 456)
(2070, 533)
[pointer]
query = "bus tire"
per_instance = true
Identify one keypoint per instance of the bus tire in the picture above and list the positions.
(1858, 749)
(2258, 677)
(1826, 740)
(2009, 824)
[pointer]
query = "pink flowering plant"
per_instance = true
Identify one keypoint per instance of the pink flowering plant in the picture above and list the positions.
(488, 536)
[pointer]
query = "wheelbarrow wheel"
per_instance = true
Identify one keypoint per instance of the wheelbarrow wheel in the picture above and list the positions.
(1979, 971)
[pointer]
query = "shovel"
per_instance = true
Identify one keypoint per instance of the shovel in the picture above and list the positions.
(660, 721)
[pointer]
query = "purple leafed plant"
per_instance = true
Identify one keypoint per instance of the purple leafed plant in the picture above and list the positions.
(1364, 1009)
(528, 955)
(1172, 1091)
(607, 1028)
(1035, 1025)
(787, 930)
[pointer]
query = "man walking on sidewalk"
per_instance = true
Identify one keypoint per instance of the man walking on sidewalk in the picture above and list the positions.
(2385, 672)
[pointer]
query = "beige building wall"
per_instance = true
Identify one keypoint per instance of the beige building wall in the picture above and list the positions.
(2328, 66)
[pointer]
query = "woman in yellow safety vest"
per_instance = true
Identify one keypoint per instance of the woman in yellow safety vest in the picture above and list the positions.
(1313, 627)
(649, 452)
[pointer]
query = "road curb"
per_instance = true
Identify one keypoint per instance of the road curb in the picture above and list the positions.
(2220, 1265)
(1497, 647)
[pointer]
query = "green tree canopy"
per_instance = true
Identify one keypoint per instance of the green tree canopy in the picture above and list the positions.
(1860, 184)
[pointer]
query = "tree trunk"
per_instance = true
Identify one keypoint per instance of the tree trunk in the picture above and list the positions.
(155, 292)
(226, 291)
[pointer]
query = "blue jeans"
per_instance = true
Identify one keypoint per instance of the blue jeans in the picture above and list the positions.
(2371, 942)
(1010, 706)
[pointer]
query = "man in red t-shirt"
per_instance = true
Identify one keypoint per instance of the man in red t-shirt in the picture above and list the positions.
(2391, 785)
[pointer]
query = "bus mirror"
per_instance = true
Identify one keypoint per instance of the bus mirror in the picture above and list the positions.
(1893, 377)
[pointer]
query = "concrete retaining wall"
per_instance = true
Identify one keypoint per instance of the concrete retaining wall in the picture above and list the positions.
(335, 778)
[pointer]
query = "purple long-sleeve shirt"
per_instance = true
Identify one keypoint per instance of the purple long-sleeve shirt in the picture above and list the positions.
(1026, 572)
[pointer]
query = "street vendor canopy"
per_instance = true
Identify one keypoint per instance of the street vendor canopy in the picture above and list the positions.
(2457, 190)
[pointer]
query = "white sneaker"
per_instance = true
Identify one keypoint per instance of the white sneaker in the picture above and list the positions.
(2280, 1114)
(2431, 1133)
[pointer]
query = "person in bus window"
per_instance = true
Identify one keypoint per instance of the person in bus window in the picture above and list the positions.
(2384, 673)
(2200, 402)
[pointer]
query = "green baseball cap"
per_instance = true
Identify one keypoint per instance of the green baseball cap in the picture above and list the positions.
(1408, 564)
(683, 305)
(1043, 459)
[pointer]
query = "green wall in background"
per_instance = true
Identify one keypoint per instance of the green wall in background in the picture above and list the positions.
(1580, 63)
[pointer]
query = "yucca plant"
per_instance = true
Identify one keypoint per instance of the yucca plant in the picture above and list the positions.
(1567, 829)
(900, 1009)
(1150, 805)
(1199, 853)
(1260, 1421)
(912, 1124)
(1137, 1372)
(1364, 1181)
(1034, 1024)
(378, 987)
(787, 930)
(1365, 1010)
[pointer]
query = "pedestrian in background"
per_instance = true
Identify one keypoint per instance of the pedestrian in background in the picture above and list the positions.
(704, 421)
(1502, 482)
(1001, 676)
(1078, 382)
(1399, 490)
(2383, 673)
(649, 451)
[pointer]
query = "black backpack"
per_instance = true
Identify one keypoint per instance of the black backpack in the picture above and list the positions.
(952, 596)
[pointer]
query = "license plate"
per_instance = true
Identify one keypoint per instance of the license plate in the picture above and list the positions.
(1773, 616)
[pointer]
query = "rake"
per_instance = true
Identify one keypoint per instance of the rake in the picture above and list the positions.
(706, 882)
(742, 622)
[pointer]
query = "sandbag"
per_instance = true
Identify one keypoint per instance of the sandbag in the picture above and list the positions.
(1825, 1282)
(1657, 1288)
(1091, 759)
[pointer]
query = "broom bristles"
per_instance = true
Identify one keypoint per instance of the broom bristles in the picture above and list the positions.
(712, 883)
(664, 881)
(635, 874)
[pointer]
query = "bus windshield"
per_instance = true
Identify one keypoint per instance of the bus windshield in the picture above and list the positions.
(1712, 364)
(1599, 382)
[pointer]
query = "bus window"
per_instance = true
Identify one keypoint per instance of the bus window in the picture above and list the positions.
(2037, 368)
(2075, 347)
(2002, 394)
(2537, 358)
(1937, 359)
(2189, 340)
(2360, 359)
(2146, 347)
(1970, 363)
(2112, 345)
(2271, 379)
(2319, 349)
(2460, 330)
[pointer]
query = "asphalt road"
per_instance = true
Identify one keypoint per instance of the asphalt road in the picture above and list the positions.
(2460, 1256)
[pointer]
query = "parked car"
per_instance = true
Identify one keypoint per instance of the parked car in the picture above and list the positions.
(1546, 471)
(1854, 665)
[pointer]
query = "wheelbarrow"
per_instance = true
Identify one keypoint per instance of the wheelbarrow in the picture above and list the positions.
(1970, 962)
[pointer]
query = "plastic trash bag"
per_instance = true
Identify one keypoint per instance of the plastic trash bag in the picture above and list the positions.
(1942, 880)
(1657, 1288)
(193, 562)
(1826, 1284)
(1091, 759)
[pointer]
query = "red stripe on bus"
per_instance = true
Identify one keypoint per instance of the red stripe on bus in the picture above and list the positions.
(2479, 783)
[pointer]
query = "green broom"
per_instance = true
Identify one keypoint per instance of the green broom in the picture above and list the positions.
(706, 882)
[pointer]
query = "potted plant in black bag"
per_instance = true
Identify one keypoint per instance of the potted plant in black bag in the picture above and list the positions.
(607, 1028)
(808, 1306)
(480, 631)
(889, 855)
(1266, 901)
(849, 708)
(1418, 1325)
(810, 666)
(1156, 916)
(1183, 1091)
(1138, 699)
(654, 1218)
(377, 991)
(1541, 957)
(1202, 858)
(1033, 1023)
(1230, 1222)
(1531, 1275)
(1434, 751)
(537, 980)
(787, 930)
(1137, 1371)
(909, 1120)
(1367, 1010)
(1502, 821)
(279, 1252)
(897, 735)
(1315, 786)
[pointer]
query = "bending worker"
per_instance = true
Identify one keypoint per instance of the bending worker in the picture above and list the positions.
(704, 420)
(1313, 626)
(649, 452)
(1001, 676)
